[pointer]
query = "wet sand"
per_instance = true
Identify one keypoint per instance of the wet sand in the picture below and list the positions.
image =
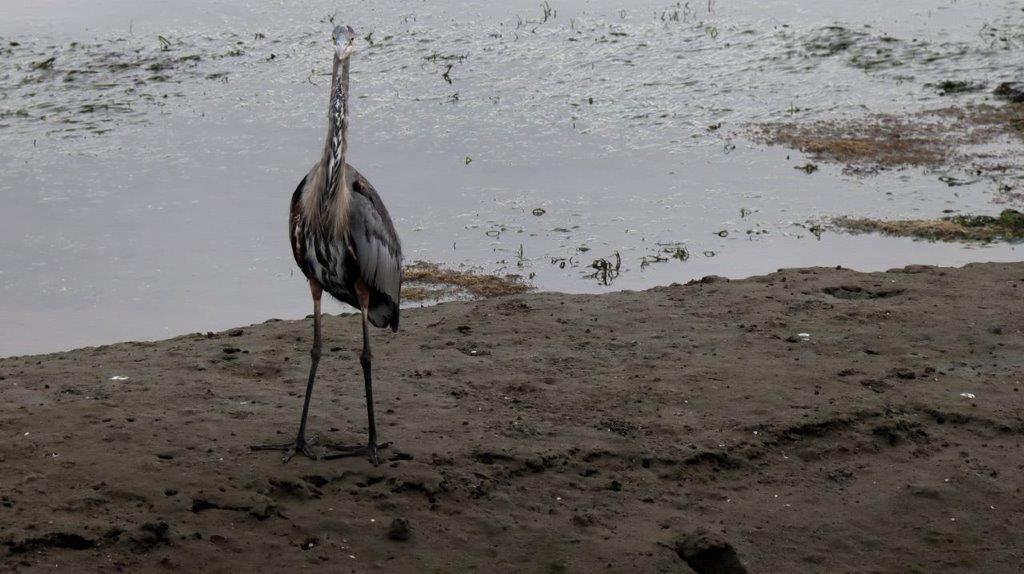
(549, 433)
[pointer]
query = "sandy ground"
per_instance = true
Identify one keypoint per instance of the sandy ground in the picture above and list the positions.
(627, 432)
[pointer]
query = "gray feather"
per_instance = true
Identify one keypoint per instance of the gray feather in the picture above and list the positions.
(378, 253)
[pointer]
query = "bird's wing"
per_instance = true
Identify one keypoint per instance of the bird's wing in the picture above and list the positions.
(374, 240)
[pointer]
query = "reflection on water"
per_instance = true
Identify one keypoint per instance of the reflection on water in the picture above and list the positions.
(149, 151)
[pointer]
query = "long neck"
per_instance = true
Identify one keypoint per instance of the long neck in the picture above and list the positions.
(337, 128)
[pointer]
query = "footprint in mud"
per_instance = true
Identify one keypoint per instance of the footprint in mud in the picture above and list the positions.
(150, 536)
(855, 292)
(284, 488)
(64, 540)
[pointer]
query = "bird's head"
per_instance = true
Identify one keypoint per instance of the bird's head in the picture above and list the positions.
(343, 37)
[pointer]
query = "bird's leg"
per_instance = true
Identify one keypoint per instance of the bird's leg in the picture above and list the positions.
(365, 359)
(301, 443)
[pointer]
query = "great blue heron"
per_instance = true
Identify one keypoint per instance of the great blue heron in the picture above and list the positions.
(345, 243)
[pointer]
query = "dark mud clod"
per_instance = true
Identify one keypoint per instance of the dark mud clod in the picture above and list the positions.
(707, 280)
(876, 385)
(400, 530)
(310, 543)
(903, 373)
(706, 553)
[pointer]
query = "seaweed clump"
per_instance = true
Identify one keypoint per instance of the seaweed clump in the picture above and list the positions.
(1008, 226)
(425, 281)
(949, 136)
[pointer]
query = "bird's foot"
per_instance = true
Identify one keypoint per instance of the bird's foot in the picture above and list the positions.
(370, 450)
(290, 449)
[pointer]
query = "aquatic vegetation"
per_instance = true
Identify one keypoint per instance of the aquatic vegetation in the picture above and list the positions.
(1008, 225)
(46, 64)
(677, 252)
(931, 138)
(670, 81)
(1010, 91)
(606, 269)
(494, 60)
(647, 260)
(950, 87)
(439, 57)
(58, 85)
(668, 251)
(423, 281)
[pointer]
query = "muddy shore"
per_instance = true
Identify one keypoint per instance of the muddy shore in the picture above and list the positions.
(811, 420)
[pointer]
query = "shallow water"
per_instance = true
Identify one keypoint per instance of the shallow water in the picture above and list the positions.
(146, 180)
